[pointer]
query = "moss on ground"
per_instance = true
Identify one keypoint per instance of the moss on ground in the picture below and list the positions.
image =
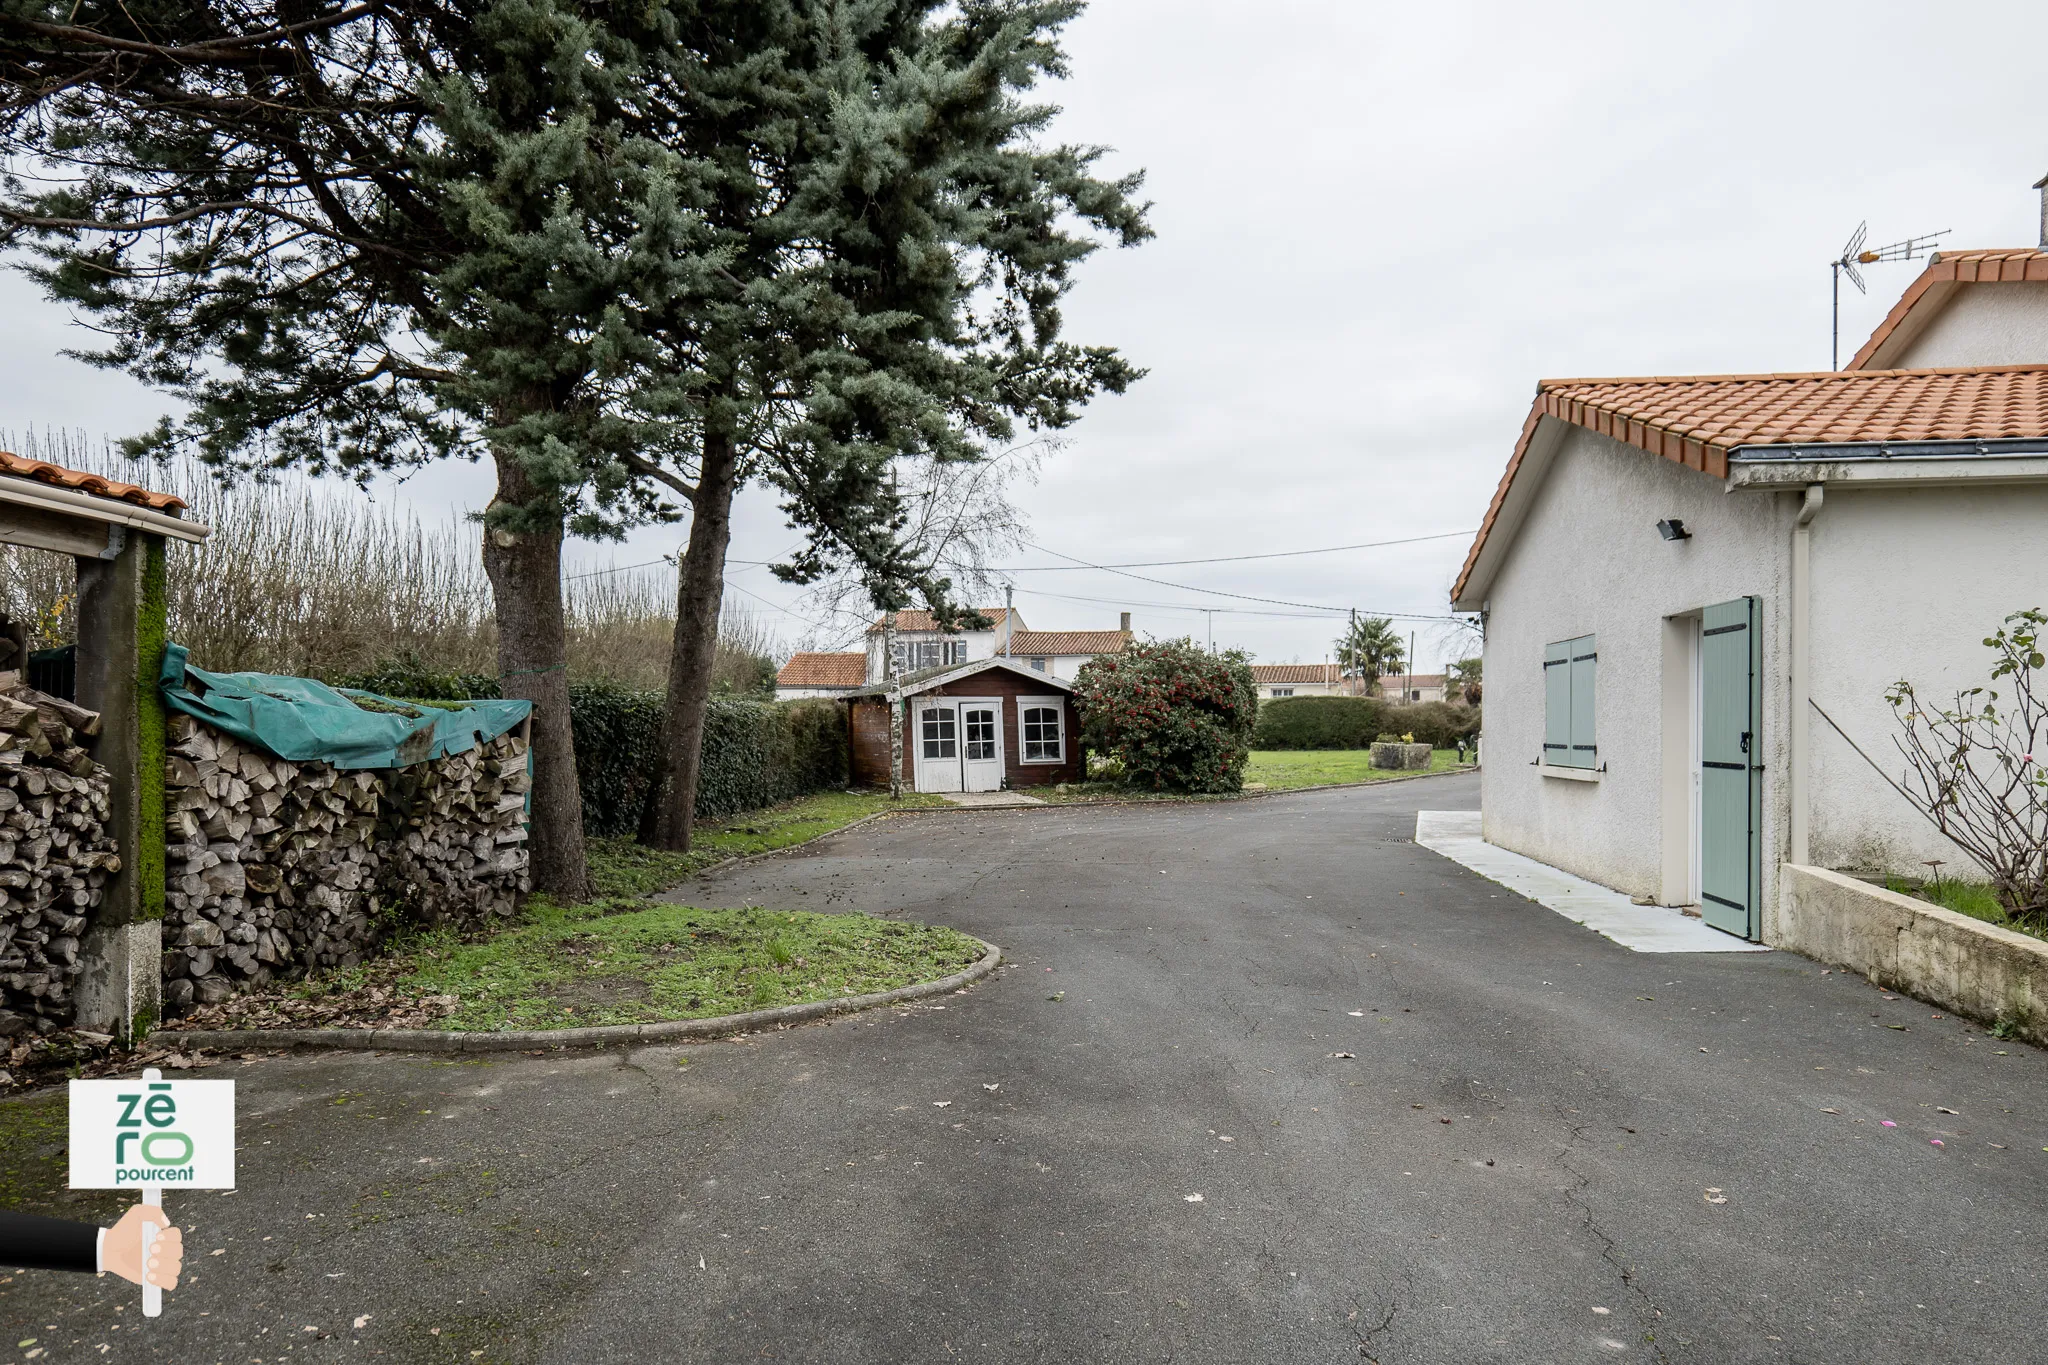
(35, 1164)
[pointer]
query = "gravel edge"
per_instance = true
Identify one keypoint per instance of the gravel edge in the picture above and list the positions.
(447, 1040)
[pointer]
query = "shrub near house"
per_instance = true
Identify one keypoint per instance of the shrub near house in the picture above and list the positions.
(1174, 715)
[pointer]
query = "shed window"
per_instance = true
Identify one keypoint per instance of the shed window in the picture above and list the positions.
(1041, 724)
(1283, 691)
(1568, 740)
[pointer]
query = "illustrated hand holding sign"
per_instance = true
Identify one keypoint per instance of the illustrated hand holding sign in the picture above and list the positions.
(144, 1135)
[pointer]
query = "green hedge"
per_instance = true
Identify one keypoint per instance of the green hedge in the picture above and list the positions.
(756, 753)
(1354, 722)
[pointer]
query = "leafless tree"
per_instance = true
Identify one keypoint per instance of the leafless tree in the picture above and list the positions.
(1976, 769)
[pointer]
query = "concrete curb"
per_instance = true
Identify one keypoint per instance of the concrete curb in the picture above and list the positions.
(448, 1040)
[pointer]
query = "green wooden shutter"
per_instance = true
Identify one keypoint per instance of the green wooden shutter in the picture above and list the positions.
(1557, 704)
(1585, 750)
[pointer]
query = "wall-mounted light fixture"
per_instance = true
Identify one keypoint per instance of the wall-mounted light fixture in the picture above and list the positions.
(1673, 529)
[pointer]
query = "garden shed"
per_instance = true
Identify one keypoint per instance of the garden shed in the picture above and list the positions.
(983, 726)
(117, 533)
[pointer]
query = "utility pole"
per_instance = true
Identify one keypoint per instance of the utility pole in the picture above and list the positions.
(1410, 687)
(1210, 612)
(1009, 615)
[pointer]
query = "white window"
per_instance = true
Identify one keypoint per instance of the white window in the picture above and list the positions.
(913, 656)
(1568, 740)
(1041, 723)
(939, 736)
(1038, 664)
(1283, 691)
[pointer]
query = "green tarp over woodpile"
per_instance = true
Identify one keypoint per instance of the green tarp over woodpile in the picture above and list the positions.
(303, 721)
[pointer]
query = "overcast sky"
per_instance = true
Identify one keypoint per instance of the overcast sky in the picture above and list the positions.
(1378, 226)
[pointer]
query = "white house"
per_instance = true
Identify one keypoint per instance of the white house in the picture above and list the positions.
(921, 645)
(1412, 686)
(1301, 680)
(1696, 592)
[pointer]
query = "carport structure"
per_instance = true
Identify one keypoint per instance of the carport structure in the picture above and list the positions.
(117, 533)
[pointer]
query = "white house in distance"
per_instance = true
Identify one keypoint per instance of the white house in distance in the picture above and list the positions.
(1300, 680)
(1697, 591)
(921, 645)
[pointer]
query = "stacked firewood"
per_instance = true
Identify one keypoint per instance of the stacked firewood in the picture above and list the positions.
(55, 851)
(278, 868)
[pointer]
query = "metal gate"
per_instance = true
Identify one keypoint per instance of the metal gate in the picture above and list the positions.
(1731, 773)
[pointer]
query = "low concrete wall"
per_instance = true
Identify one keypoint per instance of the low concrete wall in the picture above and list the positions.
(1964, 965)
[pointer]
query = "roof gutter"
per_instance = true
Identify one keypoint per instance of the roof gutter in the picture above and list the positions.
(64, 502)
(1835, 452)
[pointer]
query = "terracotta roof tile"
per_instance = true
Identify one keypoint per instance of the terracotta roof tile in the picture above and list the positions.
(823, 670)
(1294, 673)
(1945, 270)
(1044, 642)
(1697, 420)
(80, 481)
(907, 621)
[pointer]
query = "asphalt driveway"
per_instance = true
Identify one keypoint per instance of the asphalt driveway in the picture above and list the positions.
(1263, 1081)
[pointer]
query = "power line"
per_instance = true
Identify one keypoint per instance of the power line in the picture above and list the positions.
(1223, 559)
(1241, 596)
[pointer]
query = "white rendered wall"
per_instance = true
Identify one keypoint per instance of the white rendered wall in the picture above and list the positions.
(981, 644)
(1907, 583)
(1588, 560)
(1987, 324)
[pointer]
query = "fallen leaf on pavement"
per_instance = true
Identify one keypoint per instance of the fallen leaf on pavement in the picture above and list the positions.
(1356, 1014)
(1714, 1195)
(1344, 1054)
(942, 1104)
(362, 1322)
(1944, 1109)
(991, 1087)
(1192, 1198)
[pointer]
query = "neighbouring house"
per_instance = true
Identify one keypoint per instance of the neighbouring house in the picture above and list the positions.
(921, 645)
(1696, 592)
(820, 675)
(981, 725)
(1301, 680)
(1412, 686)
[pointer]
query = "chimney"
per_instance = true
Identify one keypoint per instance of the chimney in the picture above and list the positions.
(2042, 185)
(1125, 624)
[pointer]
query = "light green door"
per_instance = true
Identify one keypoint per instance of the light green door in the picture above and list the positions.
(1731, 773)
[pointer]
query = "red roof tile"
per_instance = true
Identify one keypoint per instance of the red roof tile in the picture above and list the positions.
(80, 481)
(908, 621)
(1294, 673)
(1946, 270)
(1046, 642)
(1698, 420)
(823, 670)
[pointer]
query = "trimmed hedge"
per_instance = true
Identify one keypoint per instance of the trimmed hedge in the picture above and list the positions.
(756, 753)
(1354, 722)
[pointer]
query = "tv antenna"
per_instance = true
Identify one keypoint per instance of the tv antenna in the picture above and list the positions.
(1855, 254)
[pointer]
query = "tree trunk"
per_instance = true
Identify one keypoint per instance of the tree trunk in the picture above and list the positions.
(525, 569)
(670, 813)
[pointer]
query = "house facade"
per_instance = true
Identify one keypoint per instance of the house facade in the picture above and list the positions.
(1412, 687)
(920, 646)
(987, 725)
(1697, 592)
(1301, 680)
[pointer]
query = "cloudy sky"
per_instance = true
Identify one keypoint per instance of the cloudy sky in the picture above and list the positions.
(1378, 226)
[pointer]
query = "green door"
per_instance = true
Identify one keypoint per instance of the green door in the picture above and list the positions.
(1731, 775)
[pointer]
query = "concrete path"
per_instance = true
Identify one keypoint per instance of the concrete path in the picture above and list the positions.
(1542, 1147)
(992, 800)
(1643, 928)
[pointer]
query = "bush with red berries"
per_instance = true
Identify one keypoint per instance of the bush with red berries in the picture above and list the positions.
(1175, 716)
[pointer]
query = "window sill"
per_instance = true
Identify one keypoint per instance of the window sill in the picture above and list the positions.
(1571, 774)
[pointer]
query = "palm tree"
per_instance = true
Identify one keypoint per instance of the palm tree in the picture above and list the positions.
(1466, 675)
(1370, 649)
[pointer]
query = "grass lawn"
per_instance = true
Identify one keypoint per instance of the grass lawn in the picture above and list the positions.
(1285, 770)
(620, 867)
(1269, 770)
(620, 959)
(1975, 899)
(568, 967)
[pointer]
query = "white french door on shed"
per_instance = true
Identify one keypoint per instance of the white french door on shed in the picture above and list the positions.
(959, 744)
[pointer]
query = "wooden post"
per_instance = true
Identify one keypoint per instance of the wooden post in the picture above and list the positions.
(123, 624)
